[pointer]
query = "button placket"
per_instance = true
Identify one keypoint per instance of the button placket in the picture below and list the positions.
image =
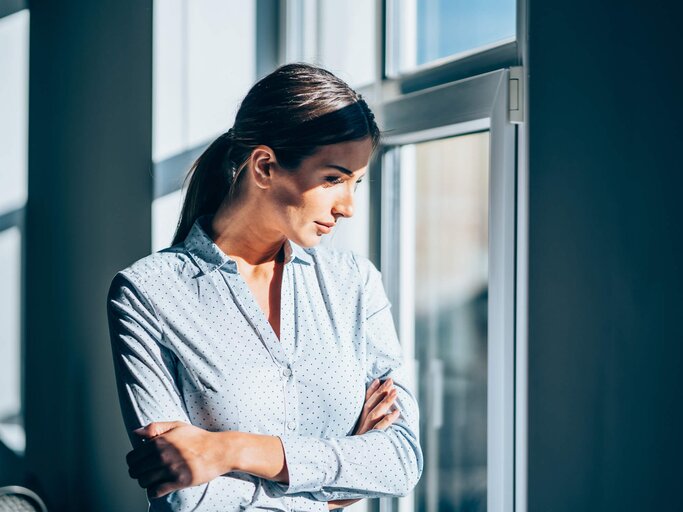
(286, 340)
(287, 312)
(291, 397)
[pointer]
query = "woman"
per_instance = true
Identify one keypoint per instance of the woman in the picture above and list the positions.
(256, 369)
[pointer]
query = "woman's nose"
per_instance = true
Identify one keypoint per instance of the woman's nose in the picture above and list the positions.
(344, 206)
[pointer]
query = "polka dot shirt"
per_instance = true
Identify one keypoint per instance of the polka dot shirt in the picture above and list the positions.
(190, 343)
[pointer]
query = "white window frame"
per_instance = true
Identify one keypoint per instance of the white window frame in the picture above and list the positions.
(477, 104)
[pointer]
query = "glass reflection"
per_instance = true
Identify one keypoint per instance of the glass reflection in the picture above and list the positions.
(451, 295)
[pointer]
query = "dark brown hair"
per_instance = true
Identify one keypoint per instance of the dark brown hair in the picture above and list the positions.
(293, 110)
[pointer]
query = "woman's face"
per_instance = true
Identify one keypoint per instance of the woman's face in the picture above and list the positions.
(320, 191)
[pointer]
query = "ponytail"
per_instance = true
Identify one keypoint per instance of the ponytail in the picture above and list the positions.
(210, 179)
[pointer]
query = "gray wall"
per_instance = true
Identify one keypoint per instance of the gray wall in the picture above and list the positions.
(606, 294)
(88, 215)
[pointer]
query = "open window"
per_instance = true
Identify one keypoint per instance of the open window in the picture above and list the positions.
(447, 251)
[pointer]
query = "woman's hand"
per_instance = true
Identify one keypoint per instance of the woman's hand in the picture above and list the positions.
(378, 399)
(375, 413)
(331, 505)
(176, 455)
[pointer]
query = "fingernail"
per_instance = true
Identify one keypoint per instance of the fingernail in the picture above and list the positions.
(374, 383)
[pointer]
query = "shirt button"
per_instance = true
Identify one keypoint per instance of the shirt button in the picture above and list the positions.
(291, 425)
(286, 372)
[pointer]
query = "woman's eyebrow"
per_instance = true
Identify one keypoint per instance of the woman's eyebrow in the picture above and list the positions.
(340, 168)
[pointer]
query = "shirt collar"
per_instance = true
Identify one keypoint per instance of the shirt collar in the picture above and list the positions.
(210, 257)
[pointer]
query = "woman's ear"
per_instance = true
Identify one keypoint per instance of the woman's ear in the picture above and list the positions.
(261, 165)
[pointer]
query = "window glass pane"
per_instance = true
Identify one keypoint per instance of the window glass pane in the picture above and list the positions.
(13, 110)
(451, 295)
(347, 33)
(14, 41)
(165, 216)
(339, 36)
(169, 131)
(423, 31)
(11, 430)
(221, 67)
(204, 64)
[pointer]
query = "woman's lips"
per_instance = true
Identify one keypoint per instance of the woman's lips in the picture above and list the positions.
(324, 228)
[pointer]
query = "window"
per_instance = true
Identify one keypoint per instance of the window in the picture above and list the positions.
(451, 178)
(447, 255)
(425, 31)
(340, 36)
(14, 30)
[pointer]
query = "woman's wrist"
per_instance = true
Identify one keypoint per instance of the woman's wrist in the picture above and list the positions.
(229, 450)
(257, 454)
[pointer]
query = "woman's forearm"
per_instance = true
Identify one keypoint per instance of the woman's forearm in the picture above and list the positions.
(259, 455)
(264, 456)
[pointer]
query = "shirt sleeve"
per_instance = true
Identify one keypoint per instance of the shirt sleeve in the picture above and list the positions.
(145, 376)
(379, 462)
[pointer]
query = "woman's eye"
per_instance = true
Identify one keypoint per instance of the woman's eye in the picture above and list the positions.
(333, 180)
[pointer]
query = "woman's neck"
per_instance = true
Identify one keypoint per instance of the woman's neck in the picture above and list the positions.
(240, 233)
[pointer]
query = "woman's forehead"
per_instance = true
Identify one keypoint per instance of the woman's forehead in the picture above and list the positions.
(351, 155)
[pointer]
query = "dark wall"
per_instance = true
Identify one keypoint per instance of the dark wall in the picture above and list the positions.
(88, 215)
(605, 290)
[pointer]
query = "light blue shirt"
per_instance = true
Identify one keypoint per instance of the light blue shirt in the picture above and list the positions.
(190, 343)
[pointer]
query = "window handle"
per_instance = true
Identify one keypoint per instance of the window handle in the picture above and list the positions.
(436, 377)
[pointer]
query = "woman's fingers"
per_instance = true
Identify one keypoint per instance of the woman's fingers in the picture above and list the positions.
(148, 433)
(180, 457)
(151, 462)
(154, 477)
(382, 407)
(157, 428)
(331, 505)
(160, 490)
(150, 450)
(371, 389)
(388, 419)
(140, 453)
(377, 395)
(378, 412)
(378, 398)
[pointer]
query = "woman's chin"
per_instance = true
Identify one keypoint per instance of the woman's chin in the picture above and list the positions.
(309, 239)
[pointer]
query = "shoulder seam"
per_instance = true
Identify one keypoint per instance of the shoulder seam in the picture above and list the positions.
(147, 299)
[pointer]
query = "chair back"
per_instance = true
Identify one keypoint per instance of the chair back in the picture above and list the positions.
(15, 498)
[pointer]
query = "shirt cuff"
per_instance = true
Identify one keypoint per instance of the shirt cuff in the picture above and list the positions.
(311, 462)
(300, 504)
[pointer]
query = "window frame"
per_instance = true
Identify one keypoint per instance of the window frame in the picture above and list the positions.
(479, 104)
(507, 490)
